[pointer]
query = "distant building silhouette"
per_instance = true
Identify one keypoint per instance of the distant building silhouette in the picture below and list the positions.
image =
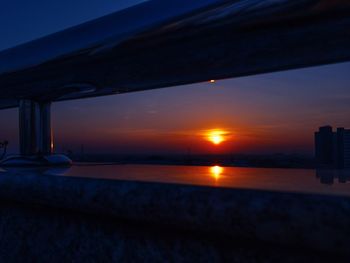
(332, 149)
(324, 146)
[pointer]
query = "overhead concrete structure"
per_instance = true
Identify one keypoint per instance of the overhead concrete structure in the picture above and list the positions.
(166, 43)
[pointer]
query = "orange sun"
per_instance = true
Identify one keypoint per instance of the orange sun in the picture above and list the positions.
(216, 136)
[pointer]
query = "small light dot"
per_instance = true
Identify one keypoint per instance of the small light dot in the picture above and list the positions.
(212, 81)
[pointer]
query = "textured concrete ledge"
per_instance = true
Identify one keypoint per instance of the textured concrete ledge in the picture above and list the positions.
(296, 220)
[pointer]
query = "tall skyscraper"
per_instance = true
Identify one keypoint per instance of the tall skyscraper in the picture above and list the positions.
(332, 149)
(347, 149)
(324, 146)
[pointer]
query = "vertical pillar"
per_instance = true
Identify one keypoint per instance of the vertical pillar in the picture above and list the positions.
(35, 128)
(29, 126)
(46, 130)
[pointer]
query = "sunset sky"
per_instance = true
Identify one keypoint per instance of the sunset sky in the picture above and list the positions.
(268, 113)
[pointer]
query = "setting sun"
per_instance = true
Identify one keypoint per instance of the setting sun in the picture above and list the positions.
(216, 136)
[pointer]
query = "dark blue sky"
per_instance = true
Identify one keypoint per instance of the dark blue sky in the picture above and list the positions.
(266, 113)
(23, 20)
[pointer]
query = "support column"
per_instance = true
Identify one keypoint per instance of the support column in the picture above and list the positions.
(46, 146)
(35, 136)
(35, 128)
(29, 127)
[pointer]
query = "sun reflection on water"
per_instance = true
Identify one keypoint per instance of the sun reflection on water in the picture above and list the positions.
(216, 171)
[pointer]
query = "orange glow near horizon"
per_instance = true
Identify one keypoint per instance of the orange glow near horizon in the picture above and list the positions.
(216, 171)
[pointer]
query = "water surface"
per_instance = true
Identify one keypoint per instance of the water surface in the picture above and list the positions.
(285, 180)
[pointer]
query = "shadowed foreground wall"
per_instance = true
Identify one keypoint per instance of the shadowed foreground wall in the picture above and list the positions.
(42, 234)
(60, 219)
